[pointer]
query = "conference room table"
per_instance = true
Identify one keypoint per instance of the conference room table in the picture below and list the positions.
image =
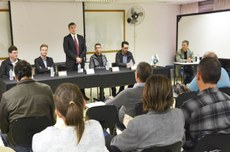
(183, 64)
(101, 78)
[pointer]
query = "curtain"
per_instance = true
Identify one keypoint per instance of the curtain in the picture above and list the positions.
(221, 4)
(189, 8)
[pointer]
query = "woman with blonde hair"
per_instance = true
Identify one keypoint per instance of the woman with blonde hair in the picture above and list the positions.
(161, 126)
(78, 135)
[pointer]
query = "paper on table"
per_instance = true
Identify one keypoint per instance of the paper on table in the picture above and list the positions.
(94, 104)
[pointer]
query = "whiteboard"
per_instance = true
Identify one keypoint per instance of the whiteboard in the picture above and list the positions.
(206, 32)
(35, 23)
(5, 34)
(106, 27)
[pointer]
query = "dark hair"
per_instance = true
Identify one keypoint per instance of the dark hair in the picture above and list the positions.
(186, 41)
(43, 45)
(69, 102)
(157, 94)
(12, 48)
(22, 69)
(123, 43)
(96, 45)
(144, 70)
(71, 24)
(210, 69)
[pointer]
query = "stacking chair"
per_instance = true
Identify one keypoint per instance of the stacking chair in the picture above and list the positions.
(23, 129)
(176, 147)
(225, 90)
(184, 97)
(213, 143)
(107, 115)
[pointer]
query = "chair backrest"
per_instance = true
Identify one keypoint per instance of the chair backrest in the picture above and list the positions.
(23, 129)
(176, 147)
(213, 143)
(225, 90)
(184, 97)
(107, 115)
(139, 109)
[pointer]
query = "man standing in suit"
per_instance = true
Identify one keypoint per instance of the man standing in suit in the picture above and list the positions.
(43, 63)
(75, 50)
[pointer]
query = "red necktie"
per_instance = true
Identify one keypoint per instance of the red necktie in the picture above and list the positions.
(76, 45)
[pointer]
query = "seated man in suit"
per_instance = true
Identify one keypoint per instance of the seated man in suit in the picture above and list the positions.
(43, 63)
(10, 62)
(27, 99)
(208, 112)
(97, 61)
(128, 99)
(123, 59)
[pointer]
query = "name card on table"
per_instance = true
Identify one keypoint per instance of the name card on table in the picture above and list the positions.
(62, 73)
(134, 67)
(115, 69)
(80, 70)
(90, 71)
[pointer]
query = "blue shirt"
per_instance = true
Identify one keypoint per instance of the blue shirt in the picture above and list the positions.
(124, 58)
(223, 81)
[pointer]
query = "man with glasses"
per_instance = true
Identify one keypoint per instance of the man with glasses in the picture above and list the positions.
(9, 63)
(123, 59)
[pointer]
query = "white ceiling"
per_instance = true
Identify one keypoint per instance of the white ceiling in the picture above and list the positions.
(122, 1)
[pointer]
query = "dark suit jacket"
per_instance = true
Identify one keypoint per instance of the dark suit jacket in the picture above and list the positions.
(119, 58)
(71, 52)
(40, 66)
(5, 67)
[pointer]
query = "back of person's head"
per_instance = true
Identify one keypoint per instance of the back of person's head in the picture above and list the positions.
(144, 70)
(22, 69)
(210, 54)
(69, 102)
(71, 24)
(210, 69)
(157, 94)
(123, 43)
(12, 48)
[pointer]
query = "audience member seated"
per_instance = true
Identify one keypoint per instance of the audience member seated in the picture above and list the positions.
(27, 99)
(128, 99)
(10, 62)
(185, 55)
(43, 63)
(222, 82)
(208, 112)
(77, 135)
(97, 61)
(161, 126)
(123, 59)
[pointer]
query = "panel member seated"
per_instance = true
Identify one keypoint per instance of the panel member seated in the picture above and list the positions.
(130, 97)
(10, 62)
(123, 58)
(97, 60)
(43, 63)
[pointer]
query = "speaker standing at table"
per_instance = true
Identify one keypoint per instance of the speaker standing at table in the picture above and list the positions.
(75, 50)
(98, 61)
(186, 55)
(9, 63)
(123, 58)
(43, 63)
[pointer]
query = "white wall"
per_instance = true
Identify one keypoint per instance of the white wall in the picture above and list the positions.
(156, 33)
(3, 5)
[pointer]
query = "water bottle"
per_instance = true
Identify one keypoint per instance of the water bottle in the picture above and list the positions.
(107, 65)
(79, 67)
(51, 71)
(11, 74)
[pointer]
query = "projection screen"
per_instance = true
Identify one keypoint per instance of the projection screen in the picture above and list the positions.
(35, 23)
(206, 32)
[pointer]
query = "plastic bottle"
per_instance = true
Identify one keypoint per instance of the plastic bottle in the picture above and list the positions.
(79, 68)
(11, 74)
(51, 71)
(107, 65)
